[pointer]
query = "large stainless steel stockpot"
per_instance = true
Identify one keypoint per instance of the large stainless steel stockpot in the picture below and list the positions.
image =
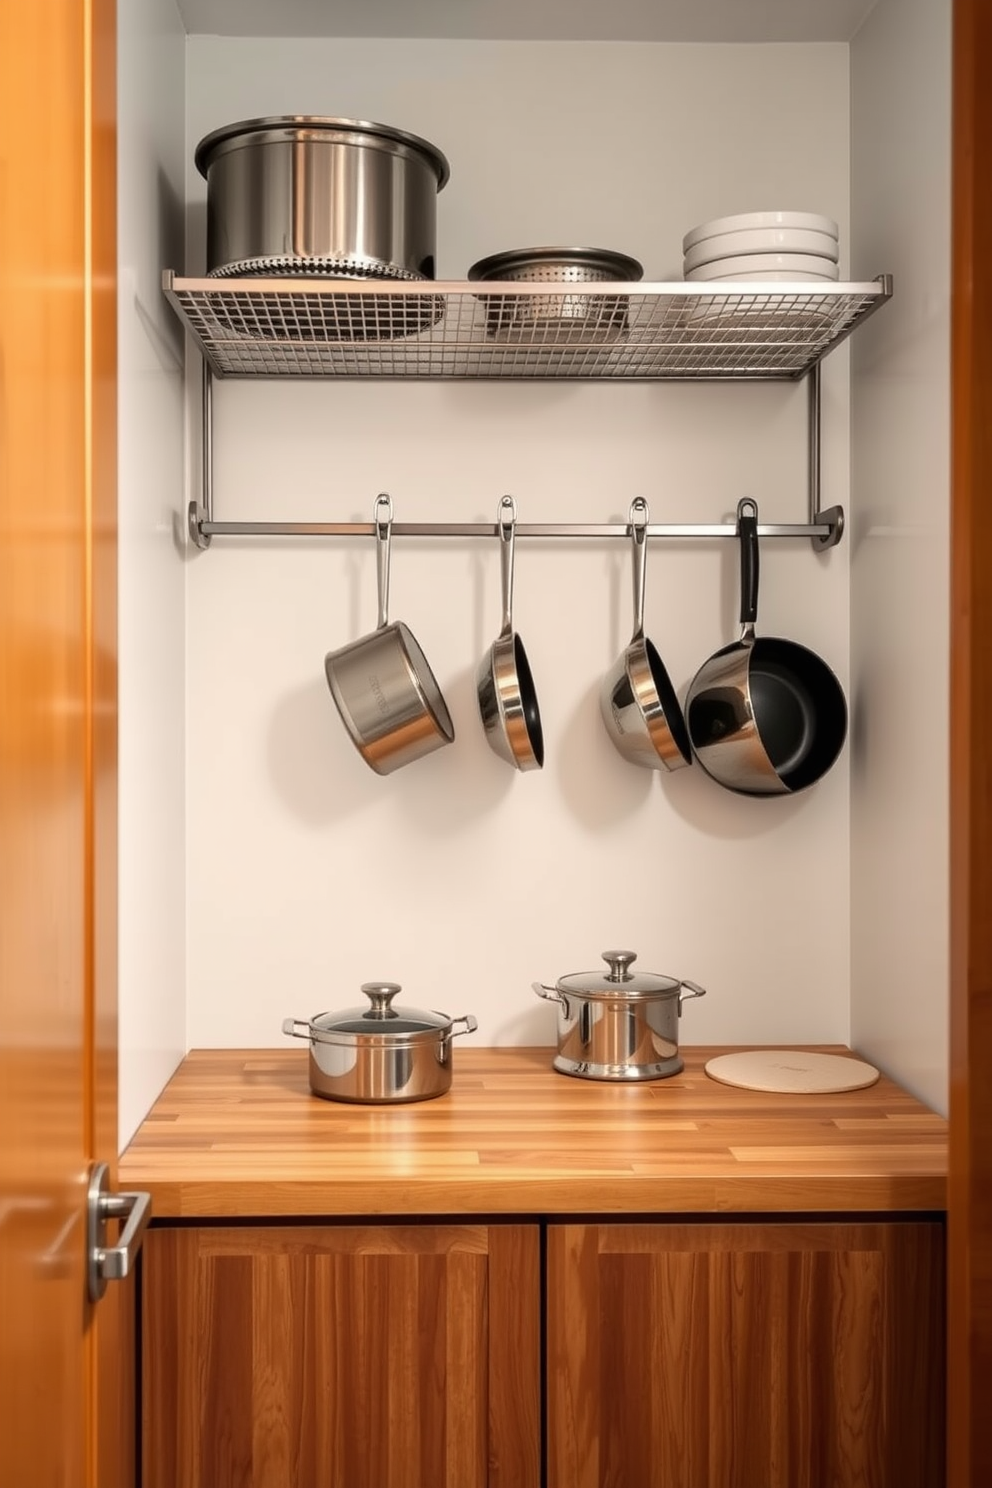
(618, 1026)
(310, 194)
(379, 1053)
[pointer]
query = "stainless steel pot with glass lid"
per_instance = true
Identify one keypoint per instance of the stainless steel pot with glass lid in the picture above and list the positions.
(618, 1026)
(379, 1053)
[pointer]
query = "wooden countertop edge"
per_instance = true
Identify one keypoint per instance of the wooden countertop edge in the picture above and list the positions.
(759, 1194)
(230, 1121)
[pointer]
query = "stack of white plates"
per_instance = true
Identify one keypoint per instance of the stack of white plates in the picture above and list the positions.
(772, 246)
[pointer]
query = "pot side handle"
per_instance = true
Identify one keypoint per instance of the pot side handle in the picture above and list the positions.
(471, 1024)
(550, 994)
(295, 1028)
(695, 990)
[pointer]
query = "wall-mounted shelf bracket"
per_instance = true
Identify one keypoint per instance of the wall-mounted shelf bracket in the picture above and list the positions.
(833, 517)
(200, 514)
(824, 528)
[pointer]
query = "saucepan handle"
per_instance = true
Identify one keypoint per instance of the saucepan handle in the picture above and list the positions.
(296, 1028)
(383, 521)
(550, 994)
(695, 990)
(747, 532)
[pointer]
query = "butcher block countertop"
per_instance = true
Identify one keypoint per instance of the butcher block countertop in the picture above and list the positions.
(237, 1133)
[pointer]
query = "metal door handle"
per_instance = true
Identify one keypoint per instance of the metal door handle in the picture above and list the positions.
(112, 1262)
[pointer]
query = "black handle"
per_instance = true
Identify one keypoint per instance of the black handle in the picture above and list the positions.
(747, 531)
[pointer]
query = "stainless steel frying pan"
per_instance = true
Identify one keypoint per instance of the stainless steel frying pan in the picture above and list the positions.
(507, 696)
(640, 708)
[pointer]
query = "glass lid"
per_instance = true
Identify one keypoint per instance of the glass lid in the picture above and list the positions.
(380, 1018)
(619, 980)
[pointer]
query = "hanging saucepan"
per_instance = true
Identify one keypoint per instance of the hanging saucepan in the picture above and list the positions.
(766, 716)
(638, 702)
(385, 691)
(507, 696)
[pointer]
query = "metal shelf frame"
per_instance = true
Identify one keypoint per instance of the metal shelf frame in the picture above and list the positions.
(444, 330)
(660, 332)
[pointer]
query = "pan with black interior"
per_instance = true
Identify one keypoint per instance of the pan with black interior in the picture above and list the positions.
(766, 716)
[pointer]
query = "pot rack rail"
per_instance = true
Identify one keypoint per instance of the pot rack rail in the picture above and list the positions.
(824, 528)
(595, 332)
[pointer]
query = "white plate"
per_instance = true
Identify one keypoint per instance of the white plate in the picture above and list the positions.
(764, 263)
(762, 240)
(767, 276)
(791, 1071)
(808, 221)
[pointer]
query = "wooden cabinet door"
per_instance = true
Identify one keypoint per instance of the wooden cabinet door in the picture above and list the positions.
(774, 1355)
(969, 1392)
(402, 1356)
(66, 1372)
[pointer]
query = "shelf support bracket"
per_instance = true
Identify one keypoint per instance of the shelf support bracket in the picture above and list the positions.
(833, 517)
(203, 510)
(825, 528)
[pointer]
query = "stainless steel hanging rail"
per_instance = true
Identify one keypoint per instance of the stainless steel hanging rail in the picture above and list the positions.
(597, 530)
(824, 528)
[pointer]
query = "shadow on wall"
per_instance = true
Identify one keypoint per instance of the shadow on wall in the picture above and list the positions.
(623, 790)
(321, 777)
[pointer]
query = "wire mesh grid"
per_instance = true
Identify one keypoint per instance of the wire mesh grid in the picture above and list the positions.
(287, 328)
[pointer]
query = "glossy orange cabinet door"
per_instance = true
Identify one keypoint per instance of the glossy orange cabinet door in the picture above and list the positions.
(313, 1356)
(773, 1355)
(66, 1375)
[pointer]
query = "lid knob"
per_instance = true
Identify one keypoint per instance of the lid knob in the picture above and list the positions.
(381, 995)
(618, 961)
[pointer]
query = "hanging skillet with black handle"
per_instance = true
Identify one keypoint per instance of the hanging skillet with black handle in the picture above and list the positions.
(766, 717)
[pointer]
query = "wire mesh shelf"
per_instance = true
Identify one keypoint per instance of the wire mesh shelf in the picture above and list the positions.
(321, 328)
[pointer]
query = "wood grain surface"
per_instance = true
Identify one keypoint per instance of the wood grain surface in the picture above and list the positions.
(970, 774)
(350, 1357)
(237, 1133)
(66, 1381)
(772, 1355)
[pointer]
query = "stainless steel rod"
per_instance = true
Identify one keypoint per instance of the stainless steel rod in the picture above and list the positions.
(595, 530)
(814, 442)
(207, 436)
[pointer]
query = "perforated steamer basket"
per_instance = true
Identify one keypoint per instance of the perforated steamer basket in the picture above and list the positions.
(555, 317)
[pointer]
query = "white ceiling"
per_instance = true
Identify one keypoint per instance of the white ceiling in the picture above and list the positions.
(525, 20)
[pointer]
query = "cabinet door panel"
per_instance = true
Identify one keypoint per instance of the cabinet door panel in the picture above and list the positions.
(353, 1357)
(745, 1356)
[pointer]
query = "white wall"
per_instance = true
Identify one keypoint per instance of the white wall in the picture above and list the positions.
(306, 873)
(151, 158)
(900, 87)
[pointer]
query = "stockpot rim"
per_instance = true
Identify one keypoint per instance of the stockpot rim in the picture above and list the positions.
(284, 126)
